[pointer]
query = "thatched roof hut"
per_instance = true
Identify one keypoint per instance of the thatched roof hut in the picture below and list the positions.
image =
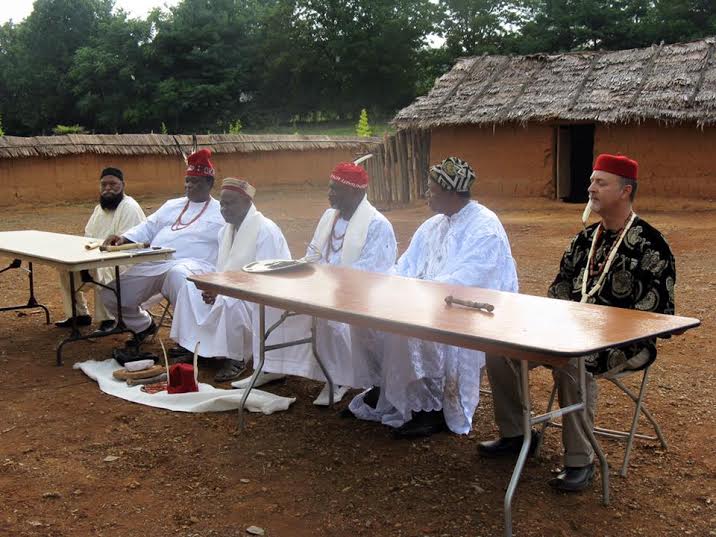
(670, 83)
(592, 101)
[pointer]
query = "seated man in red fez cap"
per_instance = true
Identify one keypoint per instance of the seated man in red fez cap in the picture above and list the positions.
(620, 261)
(351, 233)
(191, 226)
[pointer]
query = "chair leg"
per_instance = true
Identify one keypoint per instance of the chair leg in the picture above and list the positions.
(635, 422)
(165, 312)
(545, 424)
(648, 415)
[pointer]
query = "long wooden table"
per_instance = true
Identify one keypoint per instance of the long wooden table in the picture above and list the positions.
(523, 327)
(68, 254)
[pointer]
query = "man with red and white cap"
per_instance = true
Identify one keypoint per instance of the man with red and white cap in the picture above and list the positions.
(351, 233)
(620, 261)
(222, 325)
(190, 225)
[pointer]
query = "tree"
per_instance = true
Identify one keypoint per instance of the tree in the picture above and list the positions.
(474, 27)
(362, 128)
(200, 60)
(41, 53)
(110, 79)
(334, 55)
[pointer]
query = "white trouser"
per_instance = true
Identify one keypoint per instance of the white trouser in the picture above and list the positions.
(145, 280)
(101, 275)
(223, 330)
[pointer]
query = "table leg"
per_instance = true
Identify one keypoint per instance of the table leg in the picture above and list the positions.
(264, 348)
(120, 327)
(32, 302)
(589, 432)
(257, 370)
(526, 441)
(314, 324)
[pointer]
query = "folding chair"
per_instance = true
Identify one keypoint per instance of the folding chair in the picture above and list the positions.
(630, 435)
(165, 317)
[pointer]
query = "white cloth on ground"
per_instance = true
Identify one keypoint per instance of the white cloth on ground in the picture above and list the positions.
(207, 399)
(469, 248)
(196, 246)
(101, 225)
(225, 328)
(370, 234)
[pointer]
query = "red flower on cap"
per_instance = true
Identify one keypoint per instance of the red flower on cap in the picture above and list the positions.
(350, 174)
(618, 165)
(199, 165)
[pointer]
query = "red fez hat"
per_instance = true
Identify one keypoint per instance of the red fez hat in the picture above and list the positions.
(199, 165)
(182, 379)
(618, 165)
(350, 174)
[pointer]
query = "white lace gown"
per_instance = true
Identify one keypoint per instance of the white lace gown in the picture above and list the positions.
(469, 248)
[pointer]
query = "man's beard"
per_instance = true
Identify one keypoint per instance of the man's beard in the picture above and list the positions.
(111, 201)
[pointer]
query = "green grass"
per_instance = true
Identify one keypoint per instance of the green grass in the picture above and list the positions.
(327, 128)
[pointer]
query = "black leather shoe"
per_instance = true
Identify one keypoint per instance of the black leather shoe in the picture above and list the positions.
(81, 320)
(506, 447)
(422, 424)
(106, 325)
(137, 340)
(573, 478)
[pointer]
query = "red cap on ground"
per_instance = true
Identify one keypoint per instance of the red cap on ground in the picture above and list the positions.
(199, 165)
(618, 165)
(350, 174)
(181, 379)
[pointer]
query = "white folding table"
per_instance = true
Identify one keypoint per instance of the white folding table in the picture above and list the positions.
(67, 253)
(523, 327)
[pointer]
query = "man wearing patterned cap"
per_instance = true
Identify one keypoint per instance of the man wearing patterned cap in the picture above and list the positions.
(190, 225)
(620, 261)
(425, 387)
(115, 213)
(351, 233)
(222, 325)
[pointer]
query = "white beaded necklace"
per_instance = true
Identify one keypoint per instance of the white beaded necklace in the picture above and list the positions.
(612, 255)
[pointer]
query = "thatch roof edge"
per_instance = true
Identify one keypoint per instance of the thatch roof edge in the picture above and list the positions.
(162, 144)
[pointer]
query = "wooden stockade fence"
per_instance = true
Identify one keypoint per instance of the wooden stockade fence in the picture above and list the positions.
(398, 169)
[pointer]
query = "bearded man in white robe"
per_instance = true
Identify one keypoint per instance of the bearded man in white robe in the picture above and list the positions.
(190, 225)
(115, 213)
(354, 234)
(222, 325)
(426, 387)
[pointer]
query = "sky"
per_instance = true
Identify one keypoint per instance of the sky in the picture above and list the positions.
(17, 10)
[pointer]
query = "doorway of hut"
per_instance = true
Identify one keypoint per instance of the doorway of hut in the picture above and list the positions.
(574, 150)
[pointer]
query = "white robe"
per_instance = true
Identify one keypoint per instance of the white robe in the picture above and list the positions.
(370, 245)
(101, 225)
(197, 248)
(224, 329)
(469, 248)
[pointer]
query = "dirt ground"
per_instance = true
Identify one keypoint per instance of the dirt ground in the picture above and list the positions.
(307, 472)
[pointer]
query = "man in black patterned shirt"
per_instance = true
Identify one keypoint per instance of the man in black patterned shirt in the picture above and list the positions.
(621, 261)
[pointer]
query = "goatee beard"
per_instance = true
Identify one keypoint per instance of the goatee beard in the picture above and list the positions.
(111, 202)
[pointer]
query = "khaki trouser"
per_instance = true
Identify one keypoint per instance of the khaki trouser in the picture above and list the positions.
(102, 275)
(504, 382)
